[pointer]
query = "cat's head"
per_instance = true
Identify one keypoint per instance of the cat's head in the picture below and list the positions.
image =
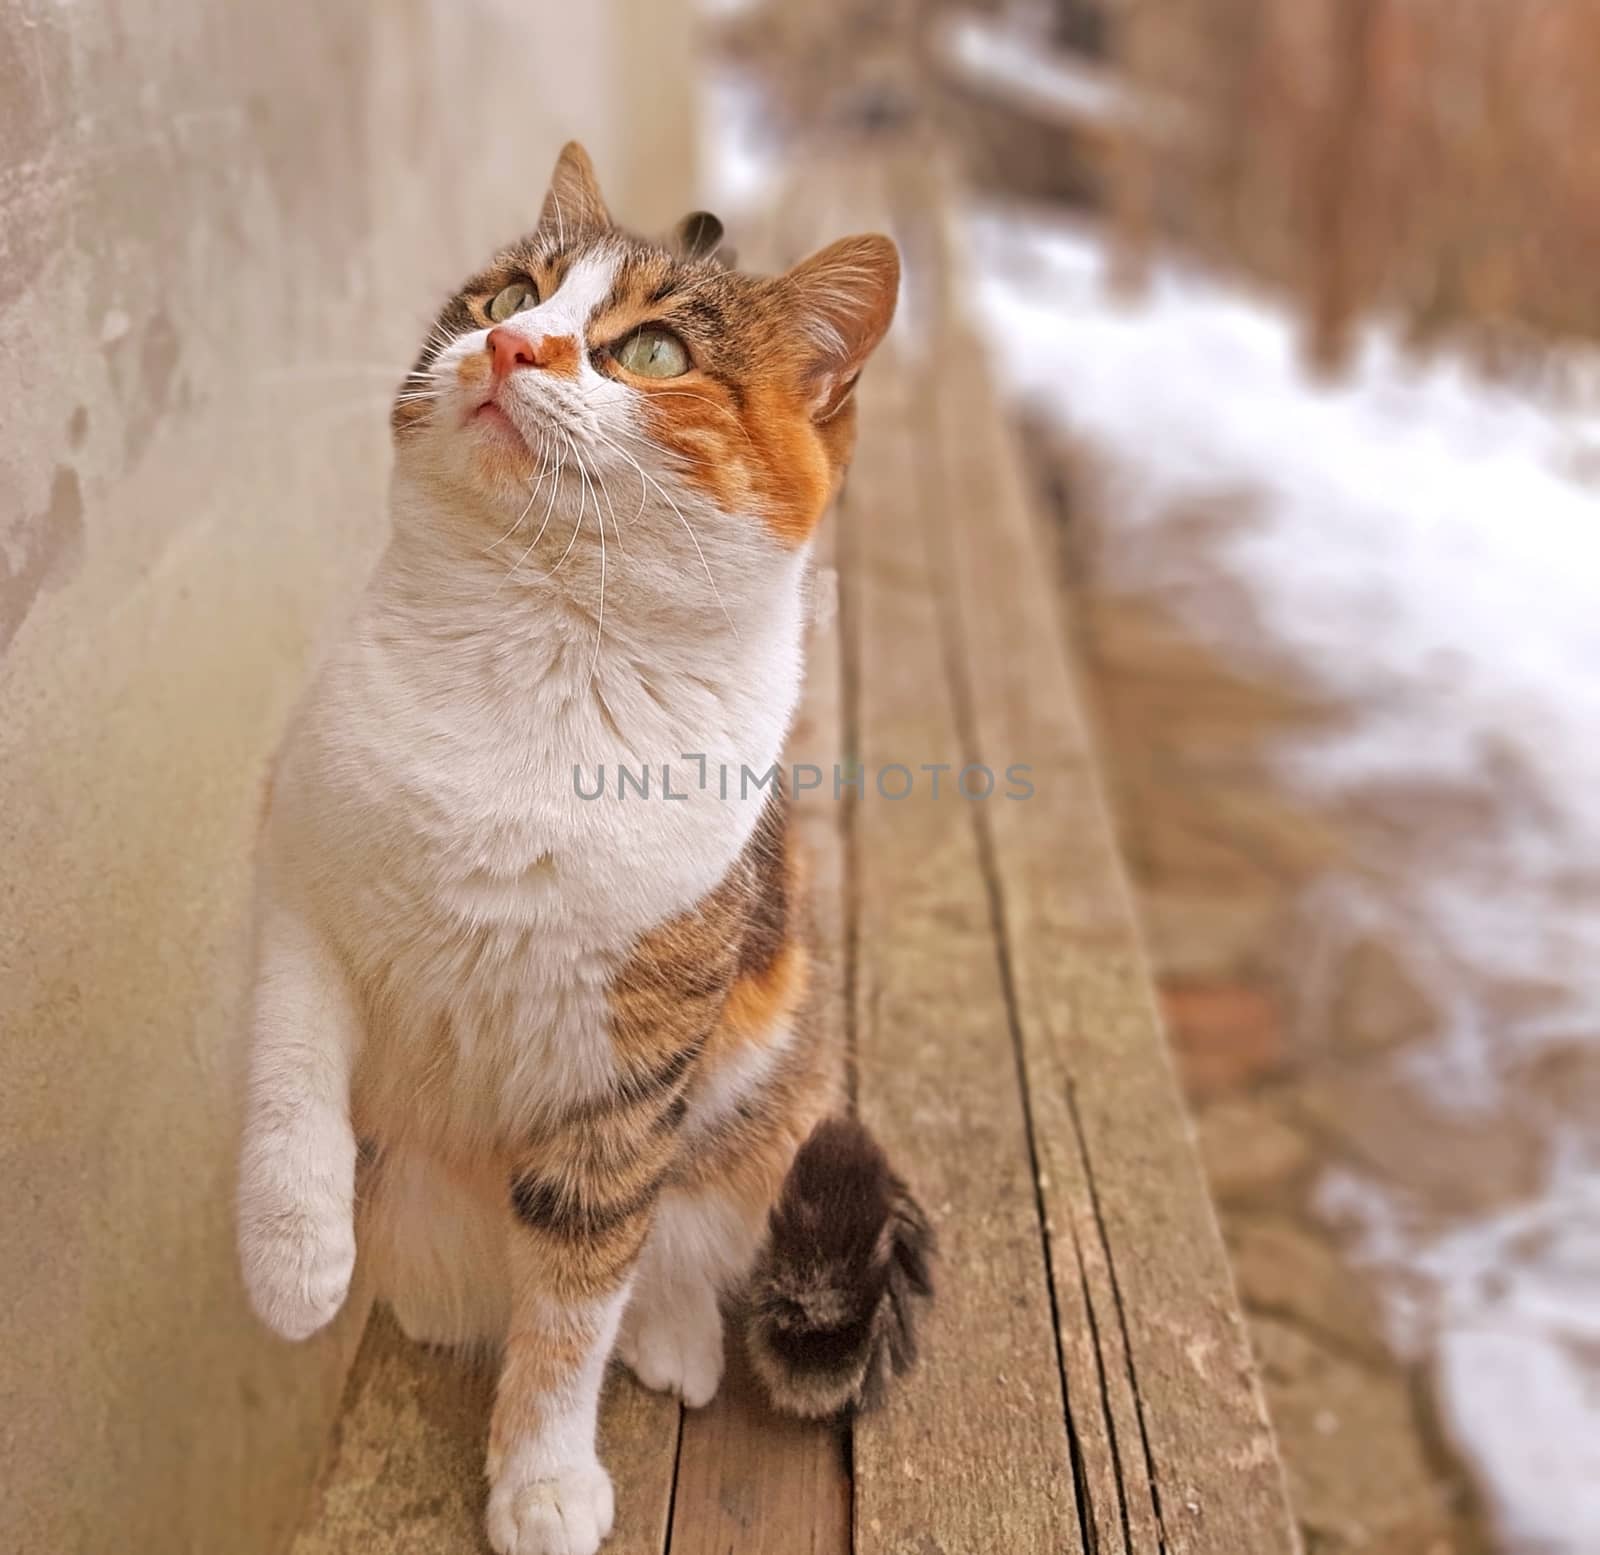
(585, 364)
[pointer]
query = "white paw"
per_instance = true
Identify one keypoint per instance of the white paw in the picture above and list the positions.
(568, 1513)
(674, 1344)
(297, 1248)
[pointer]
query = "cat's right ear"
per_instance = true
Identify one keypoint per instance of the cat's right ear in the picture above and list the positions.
(573, 204)
(843, 300)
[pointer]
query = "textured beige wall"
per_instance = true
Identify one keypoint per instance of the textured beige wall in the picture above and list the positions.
(222, 227)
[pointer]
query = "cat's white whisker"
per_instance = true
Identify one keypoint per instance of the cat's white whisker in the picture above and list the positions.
(549, 508)
(346, 410)
(721, 410)
(586, 479)
(577, 523)
(533, 496)
(665, 452)
(597, 483)
(687, 527)
(600, 618)
(316, 370)
(599, 475)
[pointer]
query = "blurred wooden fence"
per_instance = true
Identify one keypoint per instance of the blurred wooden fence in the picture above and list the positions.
(1436, 158)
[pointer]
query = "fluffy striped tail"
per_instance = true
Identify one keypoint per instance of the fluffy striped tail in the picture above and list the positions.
(840, 1285)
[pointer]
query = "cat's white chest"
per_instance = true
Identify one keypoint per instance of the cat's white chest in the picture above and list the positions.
(593, 834)
(486, 865)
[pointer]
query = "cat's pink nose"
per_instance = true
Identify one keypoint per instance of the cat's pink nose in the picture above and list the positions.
(508, 350)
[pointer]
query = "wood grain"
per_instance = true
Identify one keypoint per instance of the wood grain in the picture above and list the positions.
(754, 1483)
(971, 1453)
(1168, 1415)
(404, 1473)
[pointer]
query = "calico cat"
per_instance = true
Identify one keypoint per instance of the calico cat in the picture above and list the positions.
(574, 1036)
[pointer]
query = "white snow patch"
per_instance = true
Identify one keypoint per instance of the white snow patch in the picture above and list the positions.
(1424, 549)
(1506, 1310)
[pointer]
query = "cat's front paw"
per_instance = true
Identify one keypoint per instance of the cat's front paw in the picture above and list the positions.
(297, 1249)
(566, 1513)
(672, 1342)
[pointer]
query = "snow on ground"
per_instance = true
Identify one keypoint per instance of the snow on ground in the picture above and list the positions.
(1424, 550)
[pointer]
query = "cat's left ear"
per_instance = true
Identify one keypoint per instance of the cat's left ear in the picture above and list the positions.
(844, 299)
(574, 203)
(697, 235)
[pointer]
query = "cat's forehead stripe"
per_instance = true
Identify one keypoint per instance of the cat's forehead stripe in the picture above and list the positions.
(582, 289)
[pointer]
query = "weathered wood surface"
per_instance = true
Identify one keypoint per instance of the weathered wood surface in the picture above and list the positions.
(754, 1483)
(1086, 1387)
(404, 1473)
(973, 1454)
(1166, 1409)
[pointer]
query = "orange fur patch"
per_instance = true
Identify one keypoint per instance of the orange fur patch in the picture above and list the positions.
(764, 456)
(759, 1000)
(557, 355)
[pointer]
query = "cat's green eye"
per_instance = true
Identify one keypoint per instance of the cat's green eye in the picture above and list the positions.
(654, 353)
(511, 299)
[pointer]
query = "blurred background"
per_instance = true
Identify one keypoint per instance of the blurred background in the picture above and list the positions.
(1297, 307)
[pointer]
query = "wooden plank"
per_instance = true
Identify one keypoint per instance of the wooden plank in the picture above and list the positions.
(971, 1452)
(639, 1434)
(404, 1473)
(1158, 1366)
(1115, 1498)
(755, 1483)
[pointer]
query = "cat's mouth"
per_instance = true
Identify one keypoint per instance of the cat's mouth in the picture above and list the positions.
(489, 416)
